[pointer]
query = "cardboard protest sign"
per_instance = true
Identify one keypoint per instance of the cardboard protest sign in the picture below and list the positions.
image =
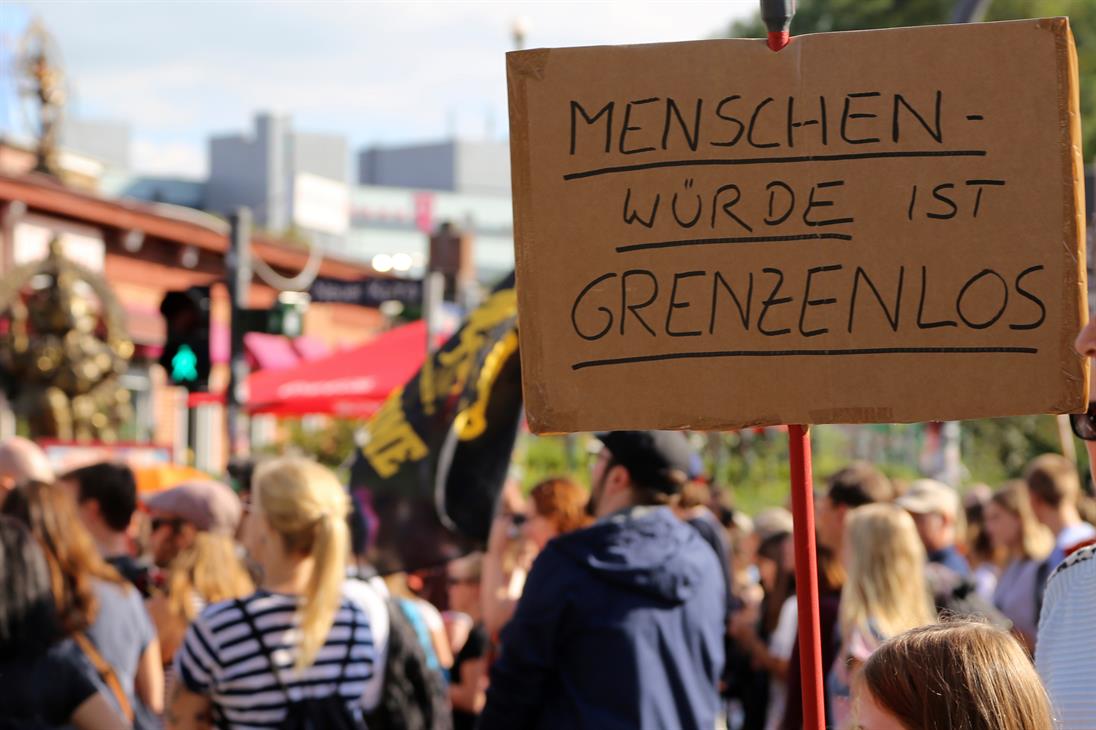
(880, 226)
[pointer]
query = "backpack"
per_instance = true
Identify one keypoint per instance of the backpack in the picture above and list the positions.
(414, 696)
(323, 713)
(956, 596)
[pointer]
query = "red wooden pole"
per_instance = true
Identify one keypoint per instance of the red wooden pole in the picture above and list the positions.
(806, 579)
(777, 15)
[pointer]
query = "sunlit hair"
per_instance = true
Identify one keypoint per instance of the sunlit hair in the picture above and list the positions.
(470, 567)
(1053, 479)
(305, 504)
(858, 484)
(562, 502)
(885, 586)
(694, 493)
(70, 551)
(831, 573)
(980, 548)
(1035, 540)
(959, 676)
(210, 570)
(773, 549)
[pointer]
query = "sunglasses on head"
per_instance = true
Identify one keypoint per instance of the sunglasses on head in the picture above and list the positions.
(1084, 424)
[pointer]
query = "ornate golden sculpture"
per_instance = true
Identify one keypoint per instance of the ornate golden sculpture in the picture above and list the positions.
(61, 357)
(46, 85)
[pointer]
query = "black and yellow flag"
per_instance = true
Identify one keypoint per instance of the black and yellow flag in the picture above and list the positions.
(436, 454)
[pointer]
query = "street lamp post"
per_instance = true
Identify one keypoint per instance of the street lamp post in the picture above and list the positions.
(519, 29)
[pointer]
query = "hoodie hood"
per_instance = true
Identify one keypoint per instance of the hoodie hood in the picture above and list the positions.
(645, 549)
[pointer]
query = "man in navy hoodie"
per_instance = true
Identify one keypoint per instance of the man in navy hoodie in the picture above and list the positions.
(621, 624)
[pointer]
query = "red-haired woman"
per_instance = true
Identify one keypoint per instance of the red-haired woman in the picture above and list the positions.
(556, 506)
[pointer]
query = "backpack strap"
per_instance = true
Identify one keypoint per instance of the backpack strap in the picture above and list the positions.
(106, 673)
(349, 647)
(1041, 576)
(262, 648)
(422, 632)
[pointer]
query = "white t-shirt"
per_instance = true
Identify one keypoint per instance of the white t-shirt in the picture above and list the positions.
(370, 595)
(781, 644)
(1067, 538)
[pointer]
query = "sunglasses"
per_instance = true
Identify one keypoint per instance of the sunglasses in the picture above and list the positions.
(461, 581)
(157, 522)
(1084, 424)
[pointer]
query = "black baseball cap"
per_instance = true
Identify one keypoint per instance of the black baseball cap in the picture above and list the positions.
(659, 460)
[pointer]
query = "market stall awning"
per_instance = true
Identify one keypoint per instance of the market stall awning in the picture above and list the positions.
(157, 477)
(271, 352)
(351, 382)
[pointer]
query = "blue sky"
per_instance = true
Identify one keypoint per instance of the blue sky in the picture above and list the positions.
(377, 72)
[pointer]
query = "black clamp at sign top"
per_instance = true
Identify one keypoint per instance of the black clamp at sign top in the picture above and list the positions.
(777, 15)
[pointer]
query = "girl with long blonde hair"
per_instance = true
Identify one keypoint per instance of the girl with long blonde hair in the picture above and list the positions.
(207, 572)
(885, 591)
(1023, 544)
(296, 641)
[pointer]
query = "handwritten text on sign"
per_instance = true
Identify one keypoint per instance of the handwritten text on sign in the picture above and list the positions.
(875, 226)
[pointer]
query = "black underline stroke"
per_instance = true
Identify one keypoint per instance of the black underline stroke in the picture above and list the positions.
(796, 353)
(771, 161)
(735, 239)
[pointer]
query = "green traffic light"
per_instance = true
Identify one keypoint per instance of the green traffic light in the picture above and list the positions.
(184, 365)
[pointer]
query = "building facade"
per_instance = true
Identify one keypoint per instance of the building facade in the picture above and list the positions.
(291, 182)
(289, 179)
(144, 250)
(457, 166)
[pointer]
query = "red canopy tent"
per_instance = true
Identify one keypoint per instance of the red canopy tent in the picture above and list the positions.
(352, 382)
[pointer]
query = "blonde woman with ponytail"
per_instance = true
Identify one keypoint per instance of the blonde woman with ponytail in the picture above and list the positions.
(886, 592)
(296, 641)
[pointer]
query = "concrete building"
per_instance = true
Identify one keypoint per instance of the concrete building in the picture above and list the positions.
(474, 168)
(298, 182)
(388, 227)
(290, 179)
(391, 226)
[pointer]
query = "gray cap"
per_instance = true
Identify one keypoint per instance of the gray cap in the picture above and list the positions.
(772, 522)
(928, 496)
(208, 505)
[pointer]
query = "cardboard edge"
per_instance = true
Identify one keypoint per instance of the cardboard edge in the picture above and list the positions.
(1073, 367)
(521, 67)
(525, 65)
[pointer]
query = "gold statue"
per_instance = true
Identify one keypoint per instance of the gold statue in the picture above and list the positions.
(41, 68)
(60, 356)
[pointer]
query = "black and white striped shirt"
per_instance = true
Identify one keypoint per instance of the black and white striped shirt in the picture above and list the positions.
(221, 659)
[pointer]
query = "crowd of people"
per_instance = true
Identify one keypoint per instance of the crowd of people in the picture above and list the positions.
(643, 602)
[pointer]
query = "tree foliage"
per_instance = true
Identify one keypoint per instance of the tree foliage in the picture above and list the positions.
(818, 16)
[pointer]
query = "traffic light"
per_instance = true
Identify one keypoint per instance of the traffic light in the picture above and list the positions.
(186, 348)
(286, 317)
